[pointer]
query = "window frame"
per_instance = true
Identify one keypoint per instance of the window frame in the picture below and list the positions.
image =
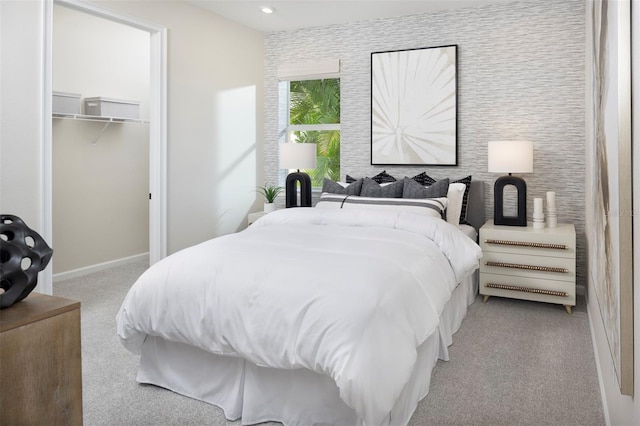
(289, 128)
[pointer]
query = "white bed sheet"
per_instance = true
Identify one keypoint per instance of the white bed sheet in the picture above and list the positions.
(293, 397)
(469, 231)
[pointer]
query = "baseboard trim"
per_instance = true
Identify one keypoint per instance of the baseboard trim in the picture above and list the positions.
(98, 267)
(603, 395)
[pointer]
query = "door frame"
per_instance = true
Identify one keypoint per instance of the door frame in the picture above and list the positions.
(157, 127)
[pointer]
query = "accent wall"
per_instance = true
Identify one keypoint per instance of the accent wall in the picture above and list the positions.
(521, 75)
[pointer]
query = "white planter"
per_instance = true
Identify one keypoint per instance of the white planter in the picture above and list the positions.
(269, 207)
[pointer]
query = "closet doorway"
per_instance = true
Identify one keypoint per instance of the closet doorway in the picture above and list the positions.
(100, 218)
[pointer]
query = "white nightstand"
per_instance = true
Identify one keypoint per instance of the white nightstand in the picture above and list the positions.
(530, 264)
(252, 217)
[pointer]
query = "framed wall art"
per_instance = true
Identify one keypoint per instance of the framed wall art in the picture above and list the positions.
(609, 178)
(414, 107)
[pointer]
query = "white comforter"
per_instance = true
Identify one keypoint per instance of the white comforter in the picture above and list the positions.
(350, 294)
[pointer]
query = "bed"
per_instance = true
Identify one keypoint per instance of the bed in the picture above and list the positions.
(311, 315)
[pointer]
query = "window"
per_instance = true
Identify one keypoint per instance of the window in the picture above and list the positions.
(314, 117)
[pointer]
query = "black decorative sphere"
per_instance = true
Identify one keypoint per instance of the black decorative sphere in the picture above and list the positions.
(23, 253)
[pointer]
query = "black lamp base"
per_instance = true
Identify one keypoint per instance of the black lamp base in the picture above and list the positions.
(291, 190)
(498, 192)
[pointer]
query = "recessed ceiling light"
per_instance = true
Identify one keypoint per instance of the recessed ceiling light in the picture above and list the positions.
(267, 9)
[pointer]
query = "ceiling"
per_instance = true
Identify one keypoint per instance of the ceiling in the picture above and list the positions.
(296, 14)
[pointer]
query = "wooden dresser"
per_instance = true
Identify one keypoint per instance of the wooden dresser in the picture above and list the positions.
(40, 362)
(530, 264)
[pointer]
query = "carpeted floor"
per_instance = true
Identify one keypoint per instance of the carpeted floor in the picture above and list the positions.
(512, 363)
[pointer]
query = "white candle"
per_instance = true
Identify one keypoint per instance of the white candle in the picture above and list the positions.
(551, 199)
(537, 205)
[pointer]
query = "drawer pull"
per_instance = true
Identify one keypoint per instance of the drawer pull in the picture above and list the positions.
(526, 244)
(527, 289)
(528, 267)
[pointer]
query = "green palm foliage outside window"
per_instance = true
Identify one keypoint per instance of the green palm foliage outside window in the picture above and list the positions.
(314, 117)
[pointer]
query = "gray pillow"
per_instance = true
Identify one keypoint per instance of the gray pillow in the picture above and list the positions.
(382, 177)
(335, 188)
(371, 188)
(413, 189)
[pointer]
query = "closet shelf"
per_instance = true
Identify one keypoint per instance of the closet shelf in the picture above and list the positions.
(99, 118)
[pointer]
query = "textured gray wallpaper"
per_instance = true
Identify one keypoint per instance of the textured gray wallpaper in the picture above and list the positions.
(521, 75)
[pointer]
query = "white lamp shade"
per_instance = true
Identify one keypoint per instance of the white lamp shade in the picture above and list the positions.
(510, 157)
(297, 155)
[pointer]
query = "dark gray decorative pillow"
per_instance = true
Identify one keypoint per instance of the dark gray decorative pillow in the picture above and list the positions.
(335, 188)
(413, 189)
(467, 181)
(370, 188)
(421, 179)
(382, 177)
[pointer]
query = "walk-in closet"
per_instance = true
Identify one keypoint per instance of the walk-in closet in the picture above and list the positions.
(100, 143)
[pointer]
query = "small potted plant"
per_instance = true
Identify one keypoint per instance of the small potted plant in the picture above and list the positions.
(270, 193)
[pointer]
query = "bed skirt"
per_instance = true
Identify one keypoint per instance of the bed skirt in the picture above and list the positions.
(294, 397)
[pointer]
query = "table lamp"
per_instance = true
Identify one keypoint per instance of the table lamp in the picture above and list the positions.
(298, 156)
(510, 157)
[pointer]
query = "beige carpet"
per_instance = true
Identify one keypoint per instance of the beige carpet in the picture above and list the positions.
(512, 363)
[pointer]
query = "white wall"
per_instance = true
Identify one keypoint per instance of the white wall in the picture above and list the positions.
(623, 410)
(215, 89)
(21, 110)
(100, 180)
(98, 57)
(215, 79)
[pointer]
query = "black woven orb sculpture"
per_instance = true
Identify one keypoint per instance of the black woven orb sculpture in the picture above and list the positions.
(23, 253)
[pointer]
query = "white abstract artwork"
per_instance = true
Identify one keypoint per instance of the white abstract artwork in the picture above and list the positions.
(609, 221)
(414, 107)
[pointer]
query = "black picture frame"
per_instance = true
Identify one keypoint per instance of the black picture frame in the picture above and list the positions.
(414, 107)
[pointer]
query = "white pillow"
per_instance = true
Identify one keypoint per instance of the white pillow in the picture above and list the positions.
(455, 195)
(330, 201)
(433, 207)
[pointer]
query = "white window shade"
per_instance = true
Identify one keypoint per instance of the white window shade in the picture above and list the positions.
(316, 70)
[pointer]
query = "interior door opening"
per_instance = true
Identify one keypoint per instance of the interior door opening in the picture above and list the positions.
(100, 137)
(157, 129)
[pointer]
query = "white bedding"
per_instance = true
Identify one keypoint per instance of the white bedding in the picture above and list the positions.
(350, 294)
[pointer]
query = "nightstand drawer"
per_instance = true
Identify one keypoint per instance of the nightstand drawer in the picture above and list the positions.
(532, 243)
(529, 263)
(541, 267)
(520, 287)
